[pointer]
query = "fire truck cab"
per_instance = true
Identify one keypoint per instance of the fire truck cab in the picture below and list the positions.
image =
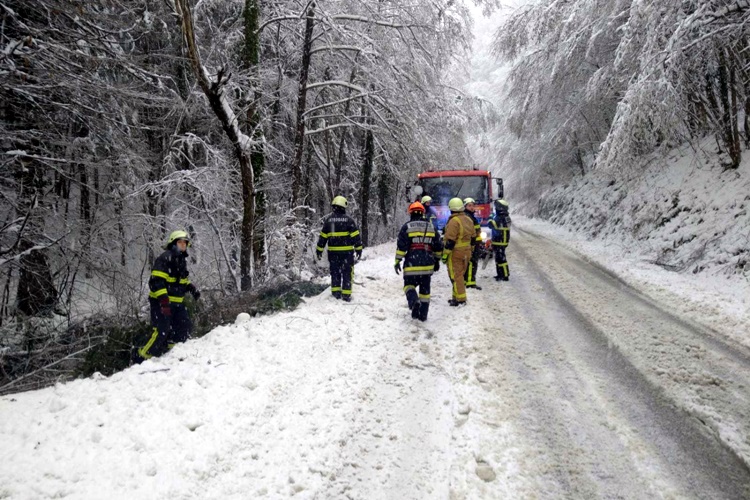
(442, 185)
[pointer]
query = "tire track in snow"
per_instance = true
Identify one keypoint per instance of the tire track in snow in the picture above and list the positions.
(658, 436)
(705, 376)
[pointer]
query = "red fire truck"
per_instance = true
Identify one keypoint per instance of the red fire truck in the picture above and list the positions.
(442, 185)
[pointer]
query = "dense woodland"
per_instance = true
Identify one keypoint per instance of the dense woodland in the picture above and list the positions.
(612, 84)
(237, 120)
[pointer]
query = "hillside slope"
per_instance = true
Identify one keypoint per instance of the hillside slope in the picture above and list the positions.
(686, 213)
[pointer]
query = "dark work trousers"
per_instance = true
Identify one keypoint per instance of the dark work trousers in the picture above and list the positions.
(421, 298)
(501, 263)
(342, 273)
(470, 276)
(167, 330)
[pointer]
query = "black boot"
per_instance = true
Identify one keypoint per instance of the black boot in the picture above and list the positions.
(424, 308)
(415, 310)
(455, 303)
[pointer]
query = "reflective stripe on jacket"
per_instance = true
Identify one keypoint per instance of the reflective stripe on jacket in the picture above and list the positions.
(459, 232)
(169, 276)
(419, 245)
(340, 233)
(477, 226)
(500, 226)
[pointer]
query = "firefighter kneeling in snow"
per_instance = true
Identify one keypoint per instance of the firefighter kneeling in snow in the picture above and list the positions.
(420, 248)
(341, 234)
(460, 237)
(500, 225)
(168, 285)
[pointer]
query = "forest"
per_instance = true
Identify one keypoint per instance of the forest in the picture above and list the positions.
(239, 121)
(236, 120)
(612, 85)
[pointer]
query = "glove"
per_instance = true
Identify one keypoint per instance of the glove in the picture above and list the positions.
(193, 291)
(437, 265)
(318, 254)
(359, 254)
(166, 309)
(397, 267)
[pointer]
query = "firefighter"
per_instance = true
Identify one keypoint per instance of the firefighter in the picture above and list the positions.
(471, 271)
(420, 248)
(429, 212)
(341, 234)
(168, 285)
(500, 226)
(460, 237)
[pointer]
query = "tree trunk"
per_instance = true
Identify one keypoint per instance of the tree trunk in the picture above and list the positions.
(242, 145)
(299, 138)
(578, 154)
(85, 205)
(254, 130)
(344, 134)
(368, 156)
(36, 291)
(735, 151)
(384, 180)
(726, 77)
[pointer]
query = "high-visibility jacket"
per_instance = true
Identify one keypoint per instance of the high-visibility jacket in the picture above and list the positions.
(419, 245)
(500, 226)
(459, 232)
(169, 276)
(431, 215)
(340, 233)
(477, 227)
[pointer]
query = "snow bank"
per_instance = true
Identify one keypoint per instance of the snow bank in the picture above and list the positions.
(680, 232)
(687, 214)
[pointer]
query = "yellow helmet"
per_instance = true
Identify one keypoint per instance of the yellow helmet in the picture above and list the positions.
(426, 199)
(456, 205)
(469, 200)
(177, 235)
(339, 201)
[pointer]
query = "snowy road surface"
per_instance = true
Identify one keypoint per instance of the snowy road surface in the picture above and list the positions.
(562, 383)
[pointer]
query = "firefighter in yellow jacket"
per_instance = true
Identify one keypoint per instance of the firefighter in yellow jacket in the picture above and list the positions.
(459, 239)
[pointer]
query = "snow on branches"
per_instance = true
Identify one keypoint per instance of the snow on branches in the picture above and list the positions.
(614, 81)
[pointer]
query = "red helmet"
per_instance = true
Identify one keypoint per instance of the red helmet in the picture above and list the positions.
(416, 207)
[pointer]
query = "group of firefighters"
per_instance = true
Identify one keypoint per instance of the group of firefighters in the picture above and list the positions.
(419, 252)
(420, 249)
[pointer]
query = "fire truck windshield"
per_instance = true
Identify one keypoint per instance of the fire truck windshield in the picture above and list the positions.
(442, 189)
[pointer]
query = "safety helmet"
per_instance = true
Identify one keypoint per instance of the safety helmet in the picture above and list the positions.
(426, 199)
(456, 205)
(339, 201)
(469, 200)
(416, 207)
(177, 235)
(501, 206)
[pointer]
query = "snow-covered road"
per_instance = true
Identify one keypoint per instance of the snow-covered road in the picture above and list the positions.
(562, 383)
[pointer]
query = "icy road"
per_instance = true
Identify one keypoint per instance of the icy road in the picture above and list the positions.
(562, 383)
